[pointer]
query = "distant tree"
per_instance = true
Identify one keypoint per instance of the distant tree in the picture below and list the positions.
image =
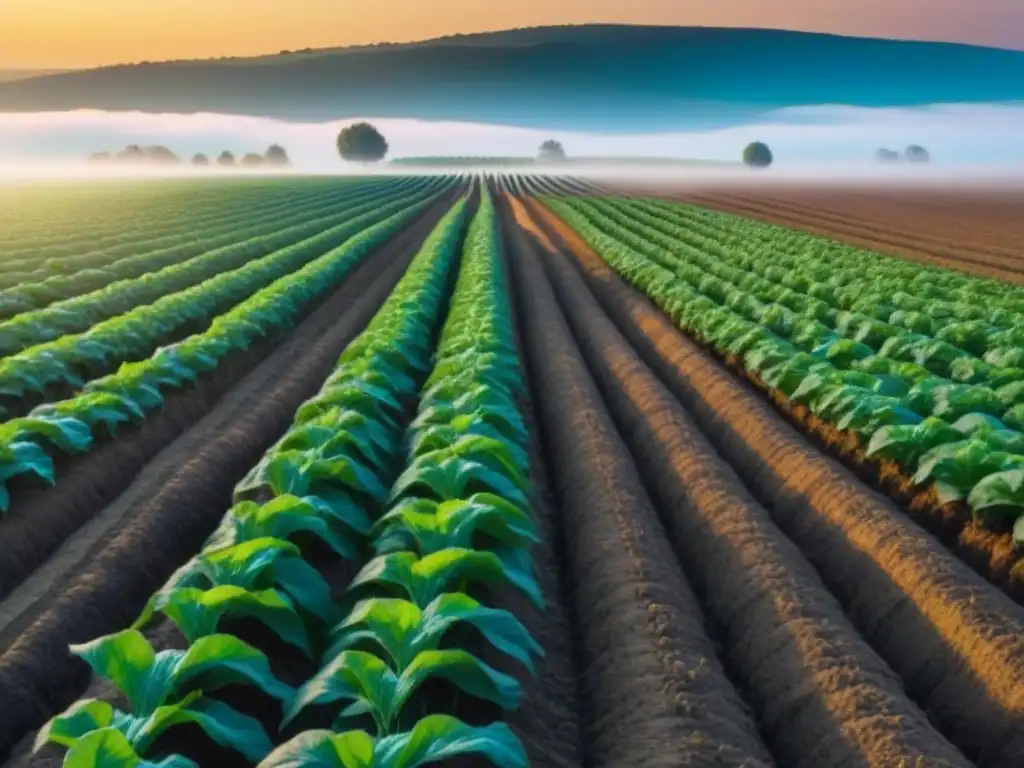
(160, 154)
(276, 155)
(757, 155)
(916, 154)
(226, 158)
(362, 143)
(200, 159)
(252, 159)
(551, 151)
(100, 157)
(887, 156)
(132, 152)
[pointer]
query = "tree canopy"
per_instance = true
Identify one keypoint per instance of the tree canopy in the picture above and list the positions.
(551, 151)
(200, 159)
(226, 158)
(362, 143)
(757, 155)
(276, 155)
(252, 159)
(916, 154)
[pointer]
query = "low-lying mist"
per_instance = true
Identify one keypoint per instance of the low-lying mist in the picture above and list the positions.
(970, 143)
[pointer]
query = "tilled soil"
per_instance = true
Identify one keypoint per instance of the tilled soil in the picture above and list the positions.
(822, 696)
(654, 692)
(954, 639)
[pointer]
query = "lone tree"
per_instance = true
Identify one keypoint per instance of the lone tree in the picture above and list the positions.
(916, 154)
(276, 155)
(887, 156)
(757, 155)
(362, 143)
(200, 159)
(551, 151)
(226, 158)
(252, 159)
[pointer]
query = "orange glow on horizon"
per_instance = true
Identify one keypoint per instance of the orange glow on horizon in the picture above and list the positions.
(44, 34)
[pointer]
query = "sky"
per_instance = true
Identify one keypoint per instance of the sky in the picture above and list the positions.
(57, 34)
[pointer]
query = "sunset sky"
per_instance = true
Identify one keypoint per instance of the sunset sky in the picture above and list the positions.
(39, 34)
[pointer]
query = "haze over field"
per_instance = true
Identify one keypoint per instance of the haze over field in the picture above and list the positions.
(958, 136)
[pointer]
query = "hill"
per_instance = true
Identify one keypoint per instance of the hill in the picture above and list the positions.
(601, 77)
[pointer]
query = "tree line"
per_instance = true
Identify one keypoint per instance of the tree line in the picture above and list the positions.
(363, 143)
(275, 156)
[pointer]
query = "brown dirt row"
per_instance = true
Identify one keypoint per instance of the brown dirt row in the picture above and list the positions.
(957, 641)
(653, 693)
(930, 231)
(959, 255)
(41, 518)
(547, 721)
(822, 696)
(175, 503)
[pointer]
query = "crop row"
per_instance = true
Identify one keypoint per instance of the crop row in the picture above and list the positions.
(187, 294)
(57, 257)
(94, 295)
(54, 279)
(942, 433)
(56, 223)
(70, 426)
(322, 488)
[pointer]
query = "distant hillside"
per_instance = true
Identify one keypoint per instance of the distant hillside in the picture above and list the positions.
(603, 77)
(10, 75)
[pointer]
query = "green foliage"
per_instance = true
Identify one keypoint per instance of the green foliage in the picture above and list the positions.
(911, 358)
(432, 739)
(757, 155)
(362, 143)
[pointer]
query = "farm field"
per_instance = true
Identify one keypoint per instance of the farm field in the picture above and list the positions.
(508, 470)
(971, 230)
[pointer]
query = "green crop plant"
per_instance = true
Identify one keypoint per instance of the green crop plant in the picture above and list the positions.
(848, 342)
(328, 477)
(459, 516)
(137, 388)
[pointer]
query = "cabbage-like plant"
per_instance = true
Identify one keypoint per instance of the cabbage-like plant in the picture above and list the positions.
(197, 612)
(221, 723)
(257, 565)
(432, 739)
(425, 526)
(163, 689)
(341, 527)
(371, 687)
(150, 679)
(472, 461)
(402, 630)
(422, 579)
(109, 747)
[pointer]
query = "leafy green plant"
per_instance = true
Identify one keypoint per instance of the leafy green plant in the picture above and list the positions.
(432, 739)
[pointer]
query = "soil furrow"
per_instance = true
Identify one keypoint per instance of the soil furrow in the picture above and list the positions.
(821, 694)
(957, 641)
(163, 518)
(547, 721)
(653, 692)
